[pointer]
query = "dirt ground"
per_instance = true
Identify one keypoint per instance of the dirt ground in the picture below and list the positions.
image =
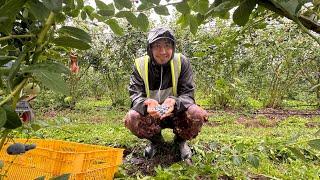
(136, 162)
(168, 155)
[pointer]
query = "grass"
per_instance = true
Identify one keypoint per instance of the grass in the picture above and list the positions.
(224, 148)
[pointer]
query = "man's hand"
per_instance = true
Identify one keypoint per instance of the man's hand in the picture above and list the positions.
(169, 103)
(151, 108)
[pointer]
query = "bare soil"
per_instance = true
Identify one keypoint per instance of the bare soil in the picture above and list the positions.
(134, 160)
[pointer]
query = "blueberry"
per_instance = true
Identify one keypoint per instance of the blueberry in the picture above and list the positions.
(162, 109)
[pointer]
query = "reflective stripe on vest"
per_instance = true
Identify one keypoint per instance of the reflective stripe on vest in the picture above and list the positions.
(175, 64)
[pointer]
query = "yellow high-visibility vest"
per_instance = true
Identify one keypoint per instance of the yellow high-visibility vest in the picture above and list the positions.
(175, 64)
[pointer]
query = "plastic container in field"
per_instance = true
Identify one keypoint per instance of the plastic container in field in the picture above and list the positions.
(54, 157)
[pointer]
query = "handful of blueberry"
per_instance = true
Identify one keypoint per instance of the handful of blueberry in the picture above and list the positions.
(162, 109)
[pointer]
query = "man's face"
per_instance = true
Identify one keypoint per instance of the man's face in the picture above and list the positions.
(162, 50)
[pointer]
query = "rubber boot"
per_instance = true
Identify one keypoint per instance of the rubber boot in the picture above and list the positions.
(185, 151)
(155, 142)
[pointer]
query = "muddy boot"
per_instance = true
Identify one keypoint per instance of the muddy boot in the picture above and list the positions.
(151, 149)
(185, 151)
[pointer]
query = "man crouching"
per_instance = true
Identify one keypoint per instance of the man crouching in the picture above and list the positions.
(162, 95)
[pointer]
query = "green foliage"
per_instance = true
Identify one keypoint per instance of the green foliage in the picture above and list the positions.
(49, 100)
(242, 13)
(183, 7)
(13, 120)
(251, 71)
(115, 26)
(123, 3)
(76, 33)
(161, 10)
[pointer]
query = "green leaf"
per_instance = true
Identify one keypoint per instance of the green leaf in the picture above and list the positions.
(83, 15)
(317, 133)
(143, 22)
(13, 120)
(200, 6)
(200, 18)
(76, 33)
(106, 13)
(98, 17)
(297, 153)
(80, 4)
(118, 5)
(193, 24)
(70, 4)
(6, 25)
(67, 41)
(183, 7)
(123, 3)
(242, 13)
(11, 8)
(88, 9)
(61, 177)
(74, 13)
(35, 126)
(315, 144)
(237, 160)
(53, 5)
(101, 4)
(145, 5)
(124, 14)
(161, 10)
(131, 18)
(156, 2)
(183, 20)
(113, 24)
(46, 66)
(53, 81)
(16, 67)
(5, 59)
(292, 7)
(38, 9)
(3, 117)
(225, 6)
(17, 79)
(7, 14)
(105, 9)
(253, 160)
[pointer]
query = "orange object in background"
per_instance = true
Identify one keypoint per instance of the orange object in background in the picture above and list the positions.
(74, 68)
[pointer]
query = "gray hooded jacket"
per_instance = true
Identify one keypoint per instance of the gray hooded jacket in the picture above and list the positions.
(156, 73)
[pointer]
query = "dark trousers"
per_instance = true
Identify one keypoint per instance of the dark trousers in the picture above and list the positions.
(185, 126)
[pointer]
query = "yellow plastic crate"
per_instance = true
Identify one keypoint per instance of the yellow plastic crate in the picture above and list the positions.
(55, 157)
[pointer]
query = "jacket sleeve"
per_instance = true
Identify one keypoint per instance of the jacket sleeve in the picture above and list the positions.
(186, 87)
(137, 92)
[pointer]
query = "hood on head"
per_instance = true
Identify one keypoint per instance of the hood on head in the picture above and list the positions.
(159, 33)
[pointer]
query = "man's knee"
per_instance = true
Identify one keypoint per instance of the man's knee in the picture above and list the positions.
(189, 125)
(196, 112)
(142, 127)
(130, 118)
